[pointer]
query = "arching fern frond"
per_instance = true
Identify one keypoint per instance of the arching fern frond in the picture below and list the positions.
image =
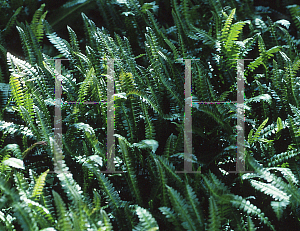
(146, 220)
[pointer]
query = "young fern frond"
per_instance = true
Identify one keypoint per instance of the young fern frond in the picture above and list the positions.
(227, 25)
(37, 25)
(39, 186)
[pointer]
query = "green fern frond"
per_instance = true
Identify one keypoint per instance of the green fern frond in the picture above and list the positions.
(169, 169)
(64, 222)
(281, 157)
(27, 48)
(296, 120)
(239, 202)
(169, 147)
(278, 207)
(20, 210)
(289, 189)
(149, 128)
(259, 129)
(227, 25)
(266, 55)
(106, 222)
(43, 124)
(181, 207)
(268, 189)
(112, 196)
(194, 207)
(295, 12)
(131, 173)
(162, 182)
(14, 148)
(30, 122)
(39, 185)
(61, 45)
(17, 92)
(147, 222)
(250, 224)
(170, 215)
(261, 25)
(11, 21)
(37, 25)
(214, 220)
(86, 85)
(91, 137)
(234, 32)
(263, 97)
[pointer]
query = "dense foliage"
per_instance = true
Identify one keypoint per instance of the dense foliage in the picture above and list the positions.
(147, 40)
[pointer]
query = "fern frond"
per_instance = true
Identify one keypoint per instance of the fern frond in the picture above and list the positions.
(64, 222)
(281, 157)
(170, 169)
(295, 12)
(37, 25)
(215, 222)
(39, 185)
(266, 55)
(169, 147)
(146, 220)
(227, 25)
(61, 45)
(43, 124)
(162, 182)
(27, 48)
(11, 21)
(170, 215)
(195, 207)
(249, 208)
(181, 208)
(278, 207)
(30, 122)
(234, 32)
(131, 173)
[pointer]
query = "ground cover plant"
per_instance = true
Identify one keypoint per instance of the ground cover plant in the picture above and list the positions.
(147, 39)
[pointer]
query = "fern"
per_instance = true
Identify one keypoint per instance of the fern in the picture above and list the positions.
(146, 220)
(63, 218)
(181, 208)
(37, 191)
(295, 12)
(11, 21)
(214, 215)
(131, 174)
(37, 23)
